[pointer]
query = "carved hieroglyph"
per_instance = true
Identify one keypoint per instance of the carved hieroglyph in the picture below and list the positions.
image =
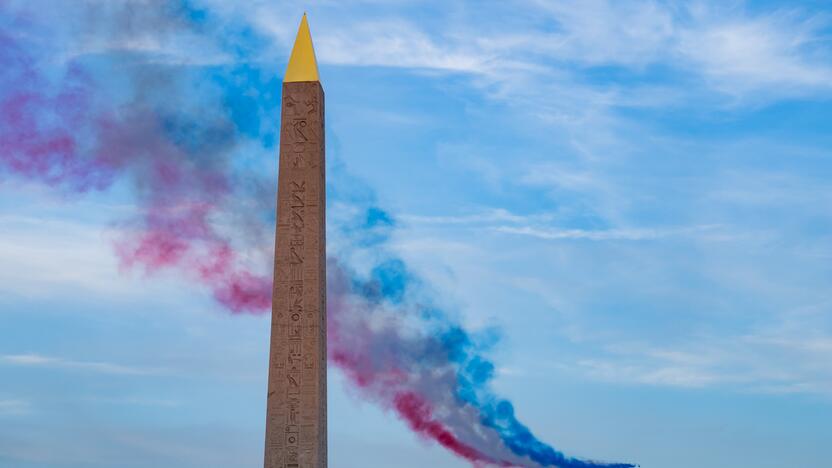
(296, 407)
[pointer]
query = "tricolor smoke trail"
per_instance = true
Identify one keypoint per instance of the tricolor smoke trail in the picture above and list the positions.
(97, 97)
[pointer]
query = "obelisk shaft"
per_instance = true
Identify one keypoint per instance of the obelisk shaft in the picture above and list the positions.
(296, 407)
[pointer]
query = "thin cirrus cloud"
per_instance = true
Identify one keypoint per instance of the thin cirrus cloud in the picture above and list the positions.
(483, 217)
(544, 226)
(718, 49)
(753, 363)
(781, 51)
(632, 234)
(99, 367)
(789, 354)
(595, 235)
(34, 262)
(13, 407)
(730, 49)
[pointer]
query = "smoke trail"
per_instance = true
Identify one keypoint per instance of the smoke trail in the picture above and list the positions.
(195, 144)
(178, 160)
(408, 354)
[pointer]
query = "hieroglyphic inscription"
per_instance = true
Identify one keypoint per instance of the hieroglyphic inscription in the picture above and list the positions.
(296, 407)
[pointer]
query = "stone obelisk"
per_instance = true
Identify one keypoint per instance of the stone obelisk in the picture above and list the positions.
(296, 403)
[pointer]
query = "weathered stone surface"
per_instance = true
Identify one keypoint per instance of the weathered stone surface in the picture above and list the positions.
(296, 405)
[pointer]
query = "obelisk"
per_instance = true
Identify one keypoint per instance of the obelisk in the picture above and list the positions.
(296, 403)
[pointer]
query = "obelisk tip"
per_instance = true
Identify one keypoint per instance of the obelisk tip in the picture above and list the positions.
(302, 63)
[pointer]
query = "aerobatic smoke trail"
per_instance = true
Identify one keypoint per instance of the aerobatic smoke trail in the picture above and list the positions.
(406, 353)
(195, 143)
(56, 131)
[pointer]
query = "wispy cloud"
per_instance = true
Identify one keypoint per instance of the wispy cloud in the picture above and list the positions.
(761, 362)
(633, 234)
(13, 407)
(726, 48)
(783, 51)
(481, 217)
(35, 262)
(666, 375)
(596, 235)
(398, 43)
(136, 401)
(603, 32)
(101, 367)
(32, 257)
(545, 226)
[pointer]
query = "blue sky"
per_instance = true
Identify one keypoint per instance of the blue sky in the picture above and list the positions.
(635, 194)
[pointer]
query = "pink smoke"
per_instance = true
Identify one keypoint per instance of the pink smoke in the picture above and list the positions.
(175, 228)
(58, 135)
(416, 411)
